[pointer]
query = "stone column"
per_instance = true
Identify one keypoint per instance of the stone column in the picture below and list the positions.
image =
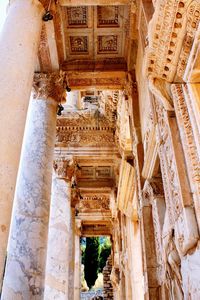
(59, 241)
(19, 42)
(71, 256)
(25, 268)
(77, 271)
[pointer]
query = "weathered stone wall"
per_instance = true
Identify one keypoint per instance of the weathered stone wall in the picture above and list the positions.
(107, 285)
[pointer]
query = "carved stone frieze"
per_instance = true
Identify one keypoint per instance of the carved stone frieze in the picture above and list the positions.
(188, 142)
(89, 138)
(64, 168)
(84, 119)
(49, 86)
(170, 38)
(93, 203)
(100, 82)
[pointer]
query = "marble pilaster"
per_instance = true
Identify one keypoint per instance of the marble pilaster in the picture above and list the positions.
(59, 242)
(19, 40)
(25, 267)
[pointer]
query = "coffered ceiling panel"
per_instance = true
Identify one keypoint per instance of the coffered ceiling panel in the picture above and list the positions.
(94, 32)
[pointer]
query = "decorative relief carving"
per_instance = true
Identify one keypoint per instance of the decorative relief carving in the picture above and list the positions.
(170, 36)
(43, 52)
(84, 119)
(99, 172)
(122, 134)
(188, 141)
(94, 203)
(172, 263)
(108, 16)
(193, 13)
(85, 138)
(79, 44)
(149, 128)
(107, 44)
(77, 16)
(168, 166)
(49, 85)
(89, 82)
(64, 168)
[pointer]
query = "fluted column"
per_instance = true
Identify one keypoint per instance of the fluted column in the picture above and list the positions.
(25, 268)
(59, 237)
(19, 42)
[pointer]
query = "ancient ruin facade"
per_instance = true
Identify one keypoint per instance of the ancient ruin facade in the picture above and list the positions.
(121, 160)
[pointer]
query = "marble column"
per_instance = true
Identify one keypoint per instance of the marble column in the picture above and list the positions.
(59, 242)
(19, 42)
(25, 268)
(77, 271)
(71, 256)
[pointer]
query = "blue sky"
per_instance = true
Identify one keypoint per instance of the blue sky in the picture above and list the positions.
(3, 4)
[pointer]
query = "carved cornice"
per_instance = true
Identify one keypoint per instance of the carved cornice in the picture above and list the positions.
(64, 168)
(49, 86)
(170, 38)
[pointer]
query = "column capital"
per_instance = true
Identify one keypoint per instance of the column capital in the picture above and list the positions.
(49, 86)
(64, 168)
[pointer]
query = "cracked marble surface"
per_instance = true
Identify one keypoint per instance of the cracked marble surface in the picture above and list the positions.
(25, 269)
(57, 268)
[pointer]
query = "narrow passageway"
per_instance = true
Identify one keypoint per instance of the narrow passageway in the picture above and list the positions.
(100, 150)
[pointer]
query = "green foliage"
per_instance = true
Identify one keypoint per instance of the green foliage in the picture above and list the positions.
(91, 260)
(105, 252)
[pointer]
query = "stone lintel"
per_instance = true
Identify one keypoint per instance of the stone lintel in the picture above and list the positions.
(114, 80)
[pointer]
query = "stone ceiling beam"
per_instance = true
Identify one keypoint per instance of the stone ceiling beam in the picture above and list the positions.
(99, 80)
(92, 2)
